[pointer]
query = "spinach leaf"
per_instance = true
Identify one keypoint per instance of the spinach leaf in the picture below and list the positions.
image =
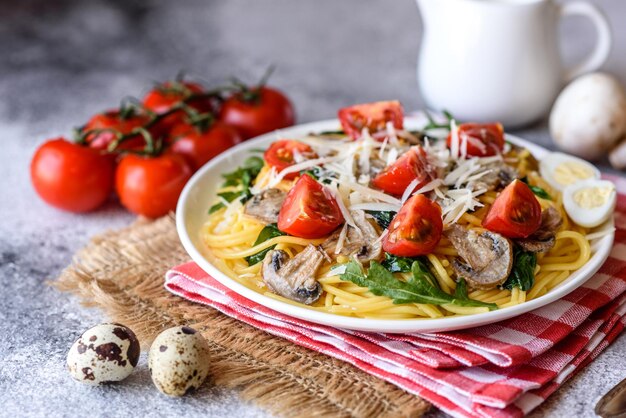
(523, 271)
(419, 288)
(538, 191)
(396, 264)
(382, 218)
(267, 233)
(326, 133)
(241, 179)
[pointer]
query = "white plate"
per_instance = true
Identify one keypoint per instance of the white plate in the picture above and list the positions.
(199, 194)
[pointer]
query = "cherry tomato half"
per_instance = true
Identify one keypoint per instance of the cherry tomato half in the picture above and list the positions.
(483, 139)
(280, 154)
(199, 146)
(516, 212)
(150, 186)
(309, 210)
(271, 110)
(70, 176)
(373, 116)
(416, 229)
(411, 165)
(112, 122)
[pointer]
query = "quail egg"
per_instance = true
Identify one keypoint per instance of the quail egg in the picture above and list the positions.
(590, 203)
(179, 361)
(105, 353)
(560, 170)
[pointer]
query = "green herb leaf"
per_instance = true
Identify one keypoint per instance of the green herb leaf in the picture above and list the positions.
(337, 132)
(523, 271)
(396, 264)
(419, 288)
(382, 218)
(270, 231)
(538, 191)
(241, 179)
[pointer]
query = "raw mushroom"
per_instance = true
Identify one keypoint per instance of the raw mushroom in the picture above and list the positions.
(543, 239)
(617, 156)
(265, 206)
(294, 278)
(488, 257)
(589, 116)
(363, 241)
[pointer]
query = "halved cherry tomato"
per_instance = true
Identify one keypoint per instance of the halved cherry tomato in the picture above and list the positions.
(70, 176)
(515, 213)
(150, 186)
(483, 139)
(309, 210)
(416, 229)
(411, 165)
(170, 93)
(268, 109)
(198, 145)
(373, 116)
(112, 122)
(280, 154)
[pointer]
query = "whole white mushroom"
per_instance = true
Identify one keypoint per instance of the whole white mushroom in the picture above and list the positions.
(589, 116)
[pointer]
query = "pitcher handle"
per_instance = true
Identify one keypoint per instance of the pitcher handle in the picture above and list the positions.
(603, 44)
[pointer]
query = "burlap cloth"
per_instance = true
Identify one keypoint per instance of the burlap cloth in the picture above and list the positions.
(122, 273)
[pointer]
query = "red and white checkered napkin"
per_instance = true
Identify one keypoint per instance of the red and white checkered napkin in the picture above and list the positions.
(499, 370)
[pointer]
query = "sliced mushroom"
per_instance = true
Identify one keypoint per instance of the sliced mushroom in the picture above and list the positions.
(543, 239)
(265, 206)
(488, 257)
(294, 278)
(499, 177)
(362, 242)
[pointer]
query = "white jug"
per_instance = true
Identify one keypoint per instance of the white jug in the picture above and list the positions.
(499, 60)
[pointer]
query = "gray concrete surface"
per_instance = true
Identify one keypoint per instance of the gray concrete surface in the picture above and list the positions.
(61, 61)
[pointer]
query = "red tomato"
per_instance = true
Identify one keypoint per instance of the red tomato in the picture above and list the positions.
(483, 139)
(270, 111)
(416, 229)
(166, 95)
(113, 122)
(280, 154)
(309, 210)
(70, 176)
(515, 213)
(199, 146)
(373, 116)
(150, 186)
(411, 165)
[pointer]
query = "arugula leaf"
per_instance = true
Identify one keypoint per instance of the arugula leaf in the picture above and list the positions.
(523, 271)
(419, 288)
(240, 178)
(538, 191)
(382, 218)
(396, 264)
(270, 231)
(337, 132)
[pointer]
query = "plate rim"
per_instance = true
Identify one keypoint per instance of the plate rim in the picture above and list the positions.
(365, 324)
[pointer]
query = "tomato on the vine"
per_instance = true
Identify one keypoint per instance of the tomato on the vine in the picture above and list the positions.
(199, 144)
(102, 129)
(150, 186)
(516, 212)
(70, 176)
(309, 210)
(257, 111)
(416, 229)
(281, 154)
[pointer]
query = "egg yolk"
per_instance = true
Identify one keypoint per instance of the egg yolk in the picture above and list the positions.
(592, 197)
(571, 172)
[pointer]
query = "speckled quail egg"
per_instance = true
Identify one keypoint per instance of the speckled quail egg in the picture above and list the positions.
(590, 203)
(179, 361)
(103, 354)
(560, 170)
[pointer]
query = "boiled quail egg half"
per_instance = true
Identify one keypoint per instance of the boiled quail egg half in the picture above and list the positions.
(561, 170)
(591, 202)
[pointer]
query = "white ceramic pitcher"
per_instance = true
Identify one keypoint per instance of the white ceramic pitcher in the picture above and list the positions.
(499, 60)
